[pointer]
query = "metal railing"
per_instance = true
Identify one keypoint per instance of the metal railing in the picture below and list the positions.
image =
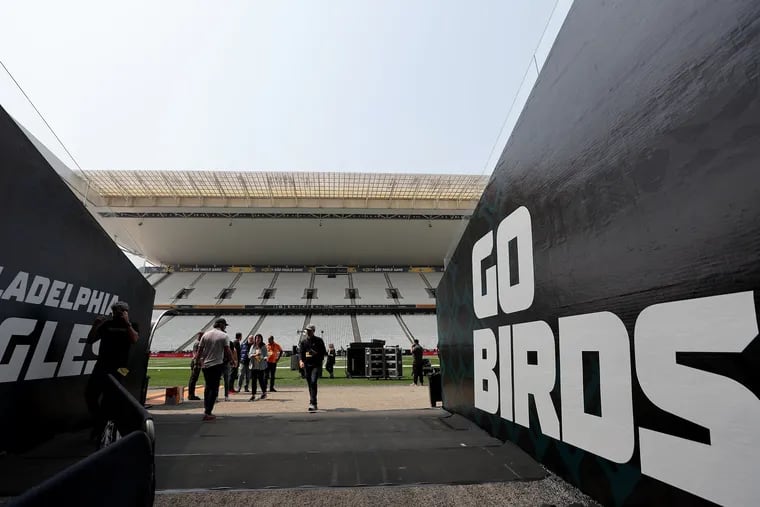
(121, 472)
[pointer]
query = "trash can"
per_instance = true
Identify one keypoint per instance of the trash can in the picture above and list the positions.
(434, 381)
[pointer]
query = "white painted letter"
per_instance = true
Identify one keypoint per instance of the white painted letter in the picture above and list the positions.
(17, 288)
(83, 296)
(37, 290)
(484, 304)
(536, 379)
(108, 304)
(14, 326)
(72, 362)
(38, 368)
(610, 436)
(96, 300)
(725, 471)
(55, 293)
(514, 297)
(505, 372)
(485, 382)
(65, 303)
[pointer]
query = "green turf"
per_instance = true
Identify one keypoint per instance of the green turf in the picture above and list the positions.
(165, 372)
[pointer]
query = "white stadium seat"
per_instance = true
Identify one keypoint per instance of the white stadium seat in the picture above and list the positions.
(178, 330)
(240, 324)
(167, 290)
(249, 289)
(331, 291)
(371, 288)
(382, 327)
(411, 288)
(424, 328)
(290, 289)
(207, 289)
(286, 329)
(433, 278)
(335, 329)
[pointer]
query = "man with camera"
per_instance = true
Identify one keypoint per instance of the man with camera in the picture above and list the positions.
(116, 335)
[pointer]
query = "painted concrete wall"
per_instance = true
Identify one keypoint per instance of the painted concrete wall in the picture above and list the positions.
(58, 271)
(601, 307)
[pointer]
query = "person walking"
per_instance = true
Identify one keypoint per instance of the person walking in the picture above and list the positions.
(212, 351)
(195, 370)
(417, 362)
(245, 362)
(330, 364)
(311, 351)
(258, 354)
(274, 353)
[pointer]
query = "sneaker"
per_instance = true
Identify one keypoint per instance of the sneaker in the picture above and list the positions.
(209, 417)
(264, 396)
(272, 390)
(233, 391)
(247, 390)
(226, 398)
(312, 408)
(194, 398)
(252, 398)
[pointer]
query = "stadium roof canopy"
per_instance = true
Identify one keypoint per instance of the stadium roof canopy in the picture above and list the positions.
(281, 218)
(277, 218)
(293, 185)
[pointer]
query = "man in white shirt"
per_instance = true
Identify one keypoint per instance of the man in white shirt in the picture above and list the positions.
(212, 351)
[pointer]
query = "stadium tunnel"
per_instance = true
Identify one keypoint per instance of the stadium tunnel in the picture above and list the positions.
(599, 311)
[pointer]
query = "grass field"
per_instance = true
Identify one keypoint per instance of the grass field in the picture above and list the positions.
(165, 372)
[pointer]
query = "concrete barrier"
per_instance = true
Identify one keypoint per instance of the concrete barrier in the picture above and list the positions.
(601, 307)
(58, 271)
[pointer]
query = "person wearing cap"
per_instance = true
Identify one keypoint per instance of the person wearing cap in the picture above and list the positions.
(311, 353)
(213, 349)
(116, 335)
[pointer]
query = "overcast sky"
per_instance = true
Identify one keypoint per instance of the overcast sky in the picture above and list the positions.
(354, 85)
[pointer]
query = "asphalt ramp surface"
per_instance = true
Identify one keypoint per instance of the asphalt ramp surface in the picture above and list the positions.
(332, 449)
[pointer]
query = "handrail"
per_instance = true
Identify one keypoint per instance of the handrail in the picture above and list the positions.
(155, 325)
(122, 474)
(127, 414)
(144, 390)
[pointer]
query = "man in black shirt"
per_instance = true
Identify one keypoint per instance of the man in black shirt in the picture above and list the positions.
(311, 351)
(195, 369)
(116, 335)
(235, 348)
(417, 363)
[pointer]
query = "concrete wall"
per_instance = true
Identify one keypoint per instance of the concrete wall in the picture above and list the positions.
(58, 271)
